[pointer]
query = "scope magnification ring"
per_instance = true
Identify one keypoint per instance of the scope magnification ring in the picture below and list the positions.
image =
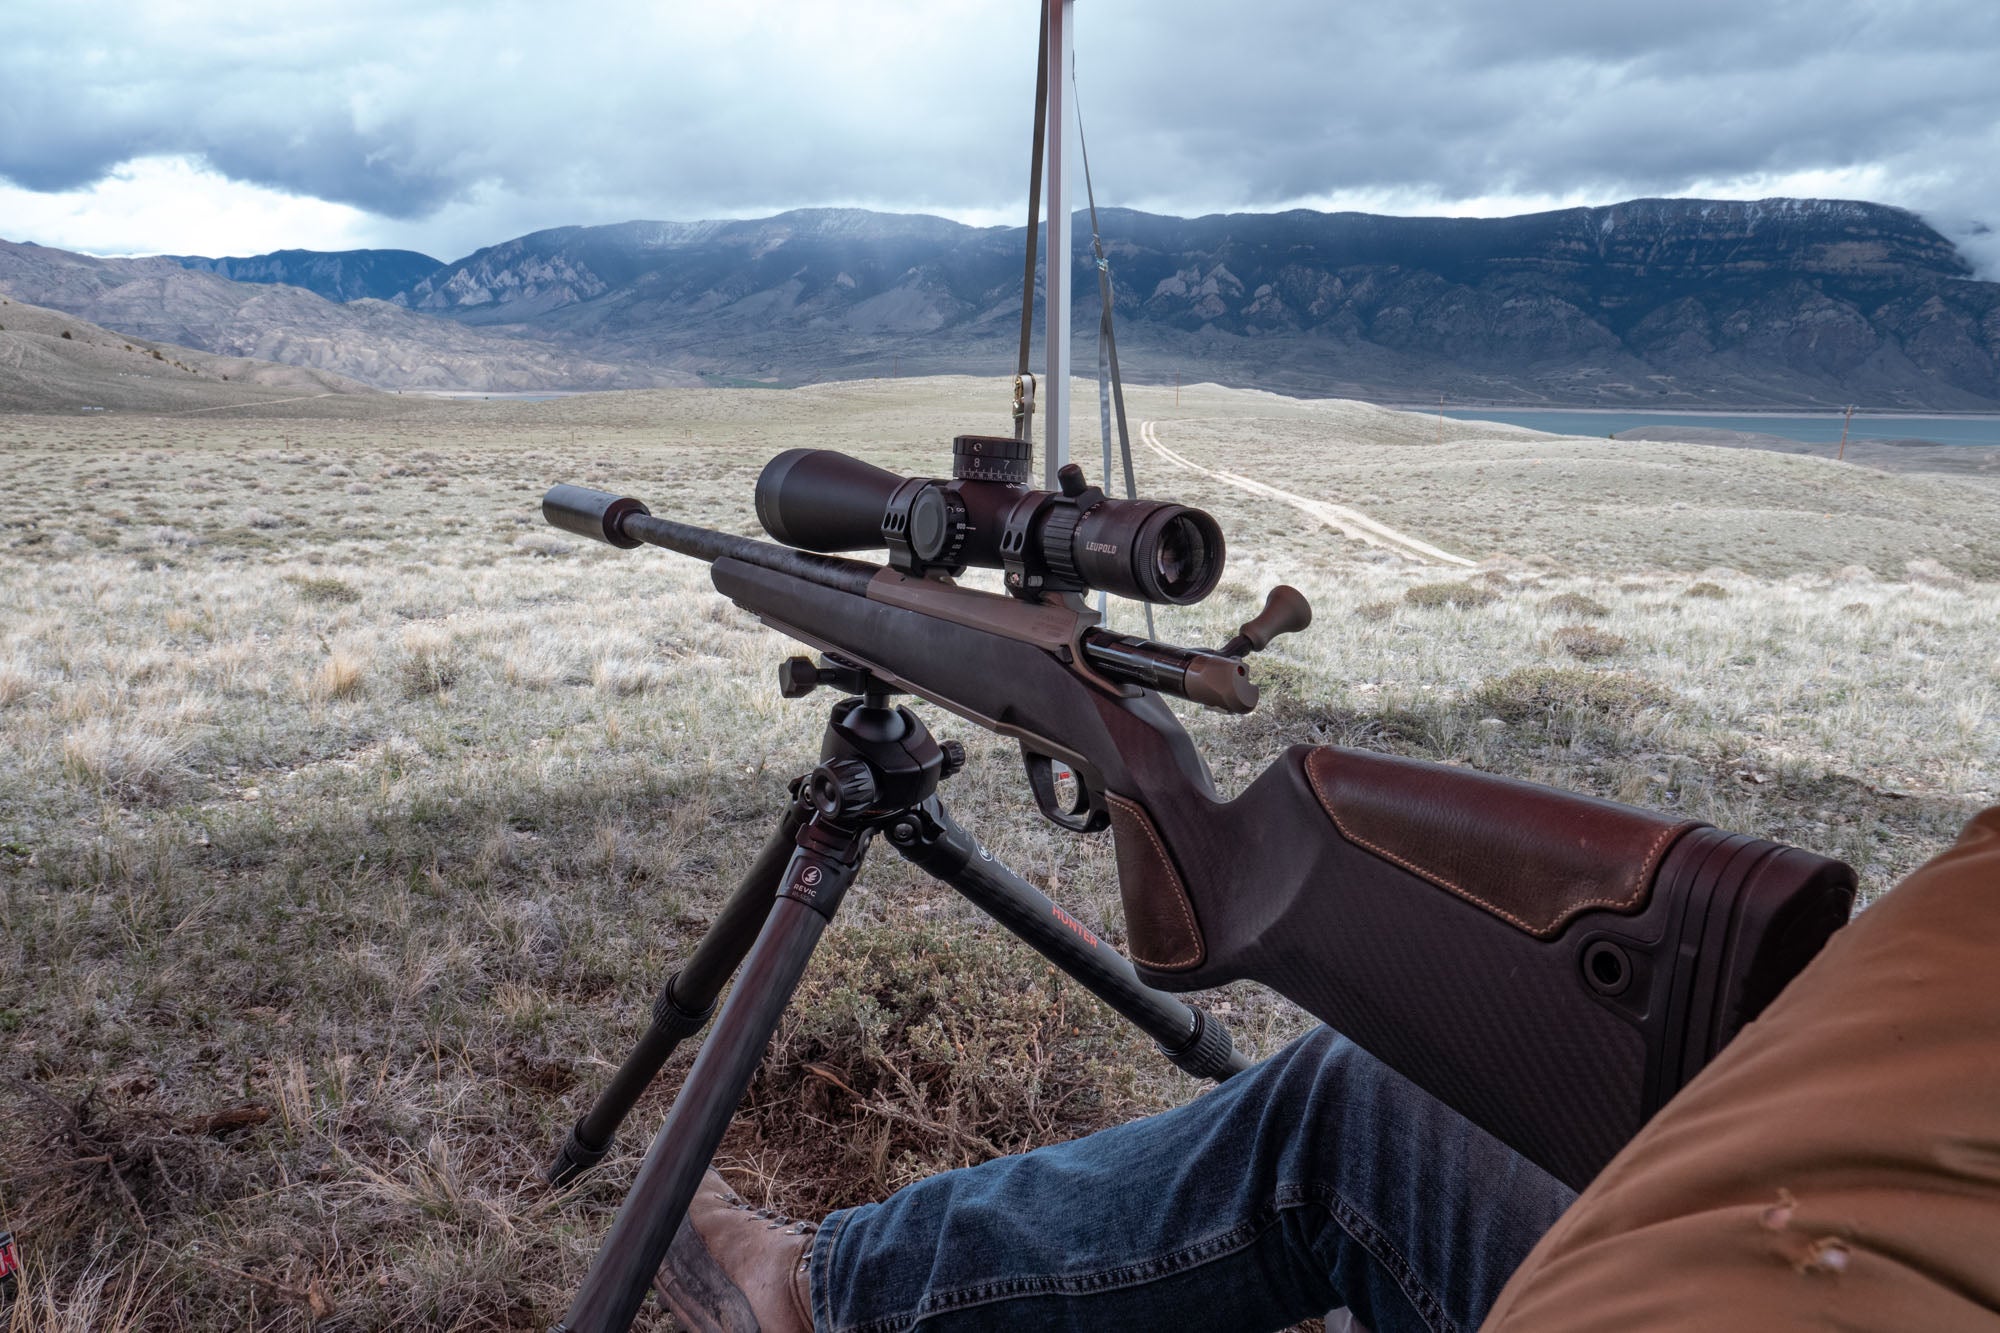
(999, 458)
(1058, 542)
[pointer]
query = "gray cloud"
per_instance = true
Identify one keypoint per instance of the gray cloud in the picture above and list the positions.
(502, 117)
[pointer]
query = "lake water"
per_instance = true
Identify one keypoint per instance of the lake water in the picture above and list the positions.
(503, 396)
(1806, 429)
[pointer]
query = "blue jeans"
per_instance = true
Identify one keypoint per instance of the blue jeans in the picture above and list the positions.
(1317, 1179)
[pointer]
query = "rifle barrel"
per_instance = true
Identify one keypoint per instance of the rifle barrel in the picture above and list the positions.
(623, 521)
(706, 544)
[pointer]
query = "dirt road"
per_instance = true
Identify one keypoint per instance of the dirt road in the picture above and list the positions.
(1348, 522)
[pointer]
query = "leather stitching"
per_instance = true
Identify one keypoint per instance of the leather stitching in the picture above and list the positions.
(1640, 880)
(1179, 897)
(800, 1284)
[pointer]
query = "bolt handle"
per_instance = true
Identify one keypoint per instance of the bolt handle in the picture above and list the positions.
(1286, 611)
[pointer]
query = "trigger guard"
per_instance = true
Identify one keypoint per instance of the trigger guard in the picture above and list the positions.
(1085, 815)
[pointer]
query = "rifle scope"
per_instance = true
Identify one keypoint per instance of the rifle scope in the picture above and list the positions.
(1073, 540)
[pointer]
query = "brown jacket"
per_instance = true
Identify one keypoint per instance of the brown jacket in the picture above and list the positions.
(1838, 1167)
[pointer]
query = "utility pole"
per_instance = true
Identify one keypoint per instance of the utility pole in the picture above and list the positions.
(1055, 389)
(1440, 435)
(1845, 422)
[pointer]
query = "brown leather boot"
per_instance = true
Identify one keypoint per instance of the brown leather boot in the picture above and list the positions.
(737, 1269)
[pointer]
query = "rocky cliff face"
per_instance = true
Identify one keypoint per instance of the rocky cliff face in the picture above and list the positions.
(701, 264)
(1652, 302)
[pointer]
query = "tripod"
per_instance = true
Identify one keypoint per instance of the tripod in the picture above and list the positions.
(878, 773)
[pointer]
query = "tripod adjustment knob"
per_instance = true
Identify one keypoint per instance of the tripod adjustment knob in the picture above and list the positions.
(842, 787)
(954, 758)
(800, 676)
(797, 677)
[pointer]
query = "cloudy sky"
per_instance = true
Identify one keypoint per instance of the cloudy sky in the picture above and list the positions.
(197, 126)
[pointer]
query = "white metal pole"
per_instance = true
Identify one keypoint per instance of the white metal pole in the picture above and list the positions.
(1055, 389)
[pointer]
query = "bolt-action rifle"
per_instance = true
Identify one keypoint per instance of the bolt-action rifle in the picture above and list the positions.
(1553, 966)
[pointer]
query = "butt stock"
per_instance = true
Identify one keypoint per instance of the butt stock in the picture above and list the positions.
(1553, 966)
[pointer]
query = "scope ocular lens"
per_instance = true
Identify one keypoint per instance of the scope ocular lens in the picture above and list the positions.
(1180, 558)
(1178, 555)
(1150, 551)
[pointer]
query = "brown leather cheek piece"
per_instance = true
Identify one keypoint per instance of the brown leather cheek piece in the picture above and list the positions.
(1159, 921)
(1533, 856)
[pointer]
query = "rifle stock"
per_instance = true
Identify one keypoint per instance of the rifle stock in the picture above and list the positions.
(1552, 966)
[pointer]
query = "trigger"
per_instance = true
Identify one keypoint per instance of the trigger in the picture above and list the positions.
(1084, 813)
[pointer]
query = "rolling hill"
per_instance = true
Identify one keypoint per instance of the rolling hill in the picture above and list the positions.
(54, 362)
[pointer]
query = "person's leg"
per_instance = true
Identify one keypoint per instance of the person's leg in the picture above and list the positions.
(1318, 1178)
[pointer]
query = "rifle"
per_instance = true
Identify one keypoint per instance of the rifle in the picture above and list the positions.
(1551, 965)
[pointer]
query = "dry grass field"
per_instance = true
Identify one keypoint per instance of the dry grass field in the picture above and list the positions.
(349, 817)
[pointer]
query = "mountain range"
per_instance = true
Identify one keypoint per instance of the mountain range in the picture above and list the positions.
(338, 275)
(1655, 302)
(375, 342)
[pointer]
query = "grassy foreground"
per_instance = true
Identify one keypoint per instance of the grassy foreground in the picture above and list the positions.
(349, 817)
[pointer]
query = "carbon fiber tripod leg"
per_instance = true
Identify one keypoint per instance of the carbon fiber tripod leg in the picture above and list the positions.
(1191, 1038)
(685, 1002)
(612, 1292)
